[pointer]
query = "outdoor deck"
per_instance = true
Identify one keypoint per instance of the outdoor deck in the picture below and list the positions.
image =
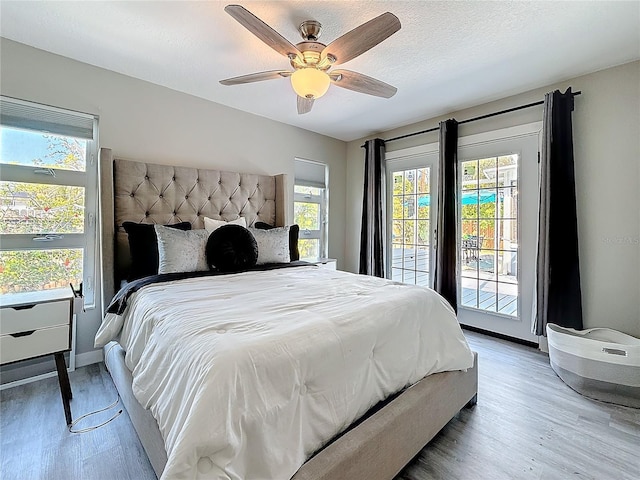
(489, 292)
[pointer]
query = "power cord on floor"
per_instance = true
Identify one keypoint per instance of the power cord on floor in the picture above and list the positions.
(95, 427)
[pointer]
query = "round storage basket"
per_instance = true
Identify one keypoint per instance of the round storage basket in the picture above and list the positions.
(599, 363)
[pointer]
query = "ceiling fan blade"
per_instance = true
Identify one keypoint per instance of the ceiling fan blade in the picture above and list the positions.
(261, 30)
(304, 105)
(362, 38)
(256, 77)
(361, 83)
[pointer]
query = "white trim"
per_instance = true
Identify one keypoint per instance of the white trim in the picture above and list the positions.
(412, 151)
(501, 134)
(479, 138)
(89, 358)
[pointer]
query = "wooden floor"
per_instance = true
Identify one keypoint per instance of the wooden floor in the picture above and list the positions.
(527, 425)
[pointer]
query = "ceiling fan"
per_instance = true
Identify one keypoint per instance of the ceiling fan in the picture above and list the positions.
(312, 60)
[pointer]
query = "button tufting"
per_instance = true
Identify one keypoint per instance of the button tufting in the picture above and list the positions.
(186, 196)
(208, 198)
(160, 195)
(131, 194)
(173, 178)
(219, 182)
(146, 177)
(303, 389)
(146, 214)
(174, 214)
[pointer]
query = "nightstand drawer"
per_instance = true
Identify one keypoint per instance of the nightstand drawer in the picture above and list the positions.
(41, 315)
(328, 263)
(40, 342)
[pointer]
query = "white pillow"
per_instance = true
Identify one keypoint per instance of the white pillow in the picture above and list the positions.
(273, 245)
(212, 224)
(181, 251)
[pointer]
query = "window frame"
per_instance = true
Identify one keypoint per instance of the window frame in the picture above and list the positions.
(88, 179)
(320, 200)
(313, 174)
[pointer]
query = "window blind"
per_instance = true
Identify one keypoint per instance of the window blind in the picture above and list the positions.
(310, 174)
(43, 118)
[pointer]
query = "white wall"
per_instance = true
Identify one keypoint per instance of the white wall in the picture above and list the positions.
(606, 134)
(143, 121)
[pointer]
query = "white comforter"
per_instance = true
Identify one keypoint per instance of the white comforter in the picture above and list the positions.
(249, 374)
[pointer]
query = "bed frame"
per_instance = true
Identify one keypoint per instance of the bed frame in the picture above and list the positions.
(376, 448)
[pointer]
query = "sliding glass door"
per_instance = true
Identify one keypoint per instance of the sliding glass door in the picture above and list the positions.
(497, 217)
(497, 227)
(489, 234)
(412, 196)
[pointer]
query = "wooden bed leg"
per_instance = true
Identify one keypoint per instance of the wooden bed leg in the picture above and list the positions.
(472, 402)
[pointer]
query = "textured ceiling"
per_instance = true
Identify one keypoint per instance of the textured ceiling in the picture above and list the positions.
(447, 56)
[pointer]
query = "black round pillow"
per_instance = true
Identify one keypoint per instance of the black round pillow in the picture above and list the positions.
(231, 248)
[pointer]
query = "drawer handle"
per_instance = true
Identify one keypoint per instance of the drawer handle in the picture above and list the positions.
(24, 307)
(22, 334)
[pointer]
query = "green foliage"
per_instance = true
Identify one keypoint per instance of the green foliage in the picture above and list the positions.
(309, 248)
(39, 208)
(409, 217)
(33, 270)
(307, 215)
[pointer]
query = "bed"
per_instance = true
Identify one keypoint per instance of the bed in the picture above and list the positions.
(347, 396)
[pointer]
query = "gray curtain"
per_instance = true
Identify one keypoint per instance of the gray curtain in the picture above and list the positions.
(557, 295)
(445, 275)
(373, 230)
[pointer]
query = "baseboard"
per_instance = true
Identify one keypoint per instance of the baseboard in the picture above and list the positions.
(89, 358)
(499, 335)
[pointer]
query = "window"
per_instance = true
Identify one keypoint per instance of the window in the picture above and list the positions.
(489, 237)
(48, 187)
(411, 229)
(310, 208)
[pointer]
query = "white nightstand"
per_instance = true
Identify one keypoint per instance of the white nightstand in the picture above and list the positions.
(328, 263)
(35, 324)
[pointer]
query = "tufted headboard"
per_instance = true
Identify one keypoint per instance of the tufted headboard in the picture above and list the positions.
(161, 194)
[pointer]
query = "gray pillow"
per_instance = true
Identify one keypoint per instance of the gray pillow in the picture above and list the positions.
(181, 251)
(273, 245)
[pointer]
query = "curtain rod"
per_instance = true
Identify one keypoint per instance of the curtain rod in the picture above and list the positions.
(481, 117)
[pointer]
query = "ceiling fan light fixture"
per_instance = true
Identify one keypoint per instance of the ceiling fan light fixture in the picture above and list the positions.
(310, 82)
